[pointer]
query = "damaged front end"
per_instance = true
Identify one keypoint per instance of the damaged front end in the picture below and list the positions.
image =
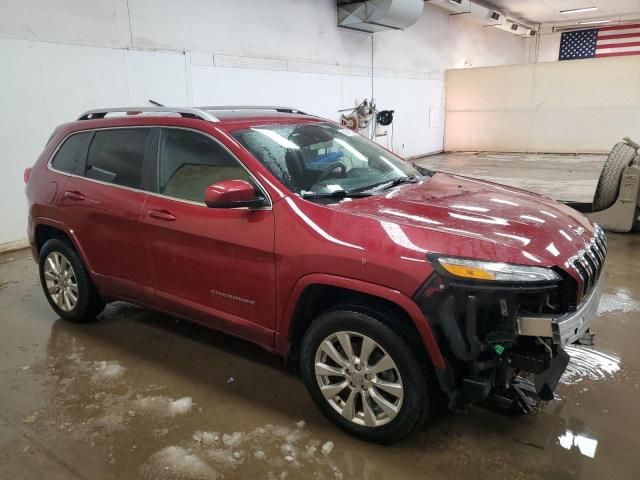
(504, 338)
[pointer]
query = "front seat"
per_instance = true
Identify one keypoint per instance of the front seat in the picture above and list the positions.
(294, 165)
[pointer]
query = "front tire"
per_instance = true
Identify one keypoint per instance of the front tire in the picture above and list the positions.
(67, 284)
(364, 376)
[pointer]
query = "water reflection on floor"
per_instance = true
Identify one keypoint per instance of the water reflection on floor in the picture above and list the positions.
(142, 395)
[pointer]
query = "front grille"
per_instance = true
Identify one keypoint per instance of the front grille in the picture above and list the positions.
(588, 263)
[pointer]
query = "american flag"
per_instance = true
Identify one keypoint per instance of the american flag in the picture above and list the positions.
(613, 41)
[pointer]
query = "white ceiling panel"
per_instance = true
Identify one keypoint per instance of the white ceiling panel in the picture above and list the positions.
(548, 11)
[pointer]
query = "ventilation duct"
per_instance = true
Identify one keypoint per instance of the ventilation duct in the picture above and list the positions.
(478, 14)
(377, 15)
(518, 29)
(454, 6)
(484, 16)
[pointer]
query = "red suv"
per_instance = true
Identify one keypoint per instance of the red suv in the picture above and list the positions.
(387, 282)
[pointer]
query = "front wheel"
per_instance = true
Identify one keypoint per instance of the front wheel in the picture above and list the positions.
(66, 283)
(364, 376)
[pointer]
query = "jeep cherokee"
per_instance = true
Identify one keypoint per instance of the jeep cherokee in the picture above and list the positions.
(387, 282)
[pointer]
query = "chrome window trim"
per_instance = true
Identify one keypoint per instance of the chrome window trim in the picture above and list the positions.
(181, 200)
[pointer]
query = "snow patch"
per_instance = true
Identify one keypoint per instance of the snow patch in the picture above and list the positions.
(177, 461)
(282, 450)
(106, 371)
(232, 440)
(163, 406)
(180, 406)
(327, 448)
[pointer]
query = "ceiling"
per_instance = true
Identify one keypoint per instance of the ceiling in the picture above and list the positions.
(548, 11)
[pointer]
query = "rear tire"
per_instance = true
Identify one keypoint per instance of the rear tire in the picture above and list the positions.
(608, 187)
(386, 374)
(67, 284)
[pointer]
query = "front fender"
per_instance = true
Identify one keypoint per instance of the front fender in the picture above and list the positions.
(394, 296)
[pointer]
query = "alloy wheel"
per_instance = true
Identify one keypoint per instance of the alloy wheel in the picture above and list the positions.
(359, 379)
(61, 281)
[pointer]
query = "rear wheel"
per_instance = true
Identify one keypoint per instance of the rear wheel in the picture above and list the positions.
(364, 376)
(66, 283)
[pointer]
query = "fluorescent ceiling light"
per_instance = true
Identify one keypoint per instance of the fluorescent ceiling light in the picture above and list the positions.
(593, 22)
(578, 10)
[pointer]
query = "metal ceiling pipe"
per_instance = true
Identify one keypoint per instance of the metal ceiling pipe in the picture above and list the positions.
(377, 15)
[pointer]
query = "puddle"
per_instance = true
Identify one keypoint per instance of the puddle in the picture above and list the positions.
(589, 363)
(621, 302)
(96, 402)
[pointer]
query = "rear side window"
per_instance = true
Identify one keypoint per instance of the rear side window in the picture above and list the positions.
(72, 153)
(116, 156)
(190, 162)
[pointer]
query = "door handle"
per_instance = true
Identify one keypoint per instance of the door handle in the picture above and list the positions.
(162, 215)
(73, 195)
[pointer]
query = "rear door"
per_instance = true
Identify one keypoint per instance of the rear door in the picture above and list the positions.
(103, 203)
(214, 265)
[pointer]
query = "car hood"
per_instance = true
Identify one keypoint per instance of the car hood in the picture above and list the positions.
(454, 215)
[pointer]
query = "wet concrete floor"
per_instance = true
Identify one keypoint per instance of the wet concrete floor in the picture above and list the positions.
(139, 394)
(563, 177)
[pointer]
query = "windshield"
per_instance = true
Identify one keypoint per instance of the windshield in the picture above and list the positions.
(323, 158)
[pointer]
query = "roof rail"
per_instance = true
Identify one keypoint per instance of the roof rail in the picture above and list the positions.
(252, 107)
(182, 111)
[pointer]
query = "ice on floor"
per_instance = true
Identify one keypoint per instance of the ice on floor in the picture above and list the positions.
(327, 448)
(301, 424)
(176, 461)
(206, 438)
(180, 406)
(232, 440)
(162, 406)
(283, 449)
(107, 370)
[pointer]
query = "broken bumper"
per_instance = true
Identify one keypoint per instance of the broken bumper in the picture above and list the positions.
(565, 329)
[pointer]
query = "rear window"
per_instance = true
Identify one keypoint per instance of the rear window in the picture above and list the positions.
(116, 156)
(72, 153)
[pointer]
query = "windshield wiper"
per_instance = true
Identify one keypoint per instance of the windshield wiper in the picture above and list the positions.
(334, 194)
(396, 182)
(424, 171)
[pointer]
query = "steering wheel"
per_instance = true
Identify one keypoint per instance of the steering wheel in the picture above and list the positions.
(325, 174)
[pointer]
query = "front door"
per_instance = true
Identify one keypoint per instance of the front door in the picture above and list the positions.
(213, 265)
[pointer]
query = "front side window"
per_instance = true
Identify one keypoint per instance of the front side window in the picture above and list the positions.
(116, 156)
(191, 161)
(72, 153)
(322, 157)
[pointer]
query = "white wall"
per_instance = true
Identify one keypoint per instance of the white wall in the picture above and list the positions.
(549, 47)
(67, 56)
(579, 106)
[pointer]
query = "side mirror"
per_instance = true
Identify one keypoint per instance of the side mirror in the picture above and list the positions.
(232, 194)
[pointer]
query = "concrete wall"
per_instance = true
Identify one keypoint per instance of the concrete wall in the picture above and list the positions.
(580, 106)
(61, 58)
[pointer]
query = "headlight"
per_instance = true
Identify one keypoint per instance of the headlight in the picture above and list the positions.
(496, 271)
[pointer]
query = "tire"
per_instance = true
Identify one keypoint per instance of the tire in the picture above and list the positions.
(411, 407)
(606, 194)
(73, 276)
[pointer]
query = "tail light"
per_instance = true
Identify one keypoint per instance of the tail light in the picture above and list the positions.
(26, 174)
